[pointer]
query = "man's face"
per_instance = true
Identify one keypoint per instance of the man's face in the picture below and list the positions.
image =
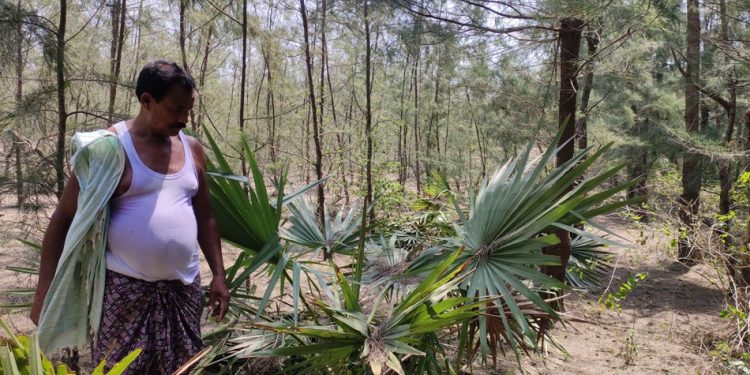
(170, 114)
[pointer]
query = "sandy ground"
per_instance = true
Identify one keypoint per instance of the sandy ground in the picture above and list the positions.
(664, 328)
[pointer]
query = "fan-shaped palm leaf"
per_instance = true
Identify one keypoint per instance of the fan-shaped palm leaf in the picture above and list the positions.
(339, 233)
(380, 342)
(504, 233)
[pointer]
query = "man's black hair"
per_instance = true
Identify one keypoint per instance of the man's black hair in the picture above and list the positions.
(159, 76)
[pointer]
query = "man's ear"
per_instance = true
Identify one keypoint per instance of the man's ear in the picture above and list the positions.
(147, 100)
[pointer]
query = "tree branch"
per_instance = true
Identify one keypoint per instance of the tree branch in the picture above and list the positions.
(87, 22)
(426, 13)
(221, 10)
(713, 95)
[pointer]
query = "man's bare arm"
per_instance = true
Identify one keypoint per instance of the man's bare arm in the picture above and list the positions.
(208, 236)
(53, 243)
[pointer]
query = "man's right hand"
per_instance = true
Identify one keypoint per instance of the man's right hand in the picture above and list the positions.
(36, 310)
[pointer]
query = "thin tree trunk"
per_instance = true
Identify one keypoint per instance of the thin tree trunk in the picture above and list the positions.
(478, 132)
(570, 43)
(62, 116)
(339, 136)
(202, 80)
(691, 166)
(447, 130)
(725, 174)
(137, 53)
(592, 41)
(183, 53)
(349, 117)
(257, 114)
(271, 114)
(321, 88)
(307, 144)
(314, 113)
(17, 145)
(243, 78)
(402, 128)
(415, 74)
(433, 141)
(231, 97)
(119, 12)
(742, 277)
(368, 106)
(638, 169)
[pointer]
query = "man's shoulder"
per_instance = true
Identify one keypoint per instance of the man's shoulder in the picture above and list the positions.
(82, 140)
(112, 127)
(195, 144)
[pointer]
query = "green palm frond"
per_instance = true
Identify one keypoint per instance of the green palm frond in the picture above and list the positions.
(248, 219)
(392, 270)
(380, 341)
(22, 355)
(510, 221)
(338, 234)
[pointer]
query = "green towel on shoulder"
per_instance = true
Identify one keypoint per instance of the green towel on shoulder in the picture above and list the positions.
(72, 309)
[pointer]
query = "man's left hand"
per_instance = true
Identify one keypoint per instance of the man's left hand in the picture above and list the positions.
(218, 297)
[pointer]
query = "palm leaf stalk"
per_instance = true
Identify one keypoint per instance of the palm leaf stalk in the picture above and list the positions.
(30, 267)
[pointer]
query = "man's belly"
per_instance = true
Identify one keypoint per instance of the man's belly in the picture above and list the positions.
(154, 244)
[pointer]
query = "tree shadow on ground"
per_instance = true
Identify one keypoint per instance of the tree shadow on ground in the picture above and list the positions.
(668, 287)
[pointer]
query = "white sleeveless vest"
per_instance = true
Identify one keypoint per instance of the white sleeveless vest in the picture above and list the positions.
(153, 232)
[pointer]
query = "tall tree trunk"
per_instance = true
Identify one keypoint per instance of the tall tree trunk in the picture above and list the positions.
(742, 276)
(119, 11)
(592, 41)
(349, 127)
(691, 166)
(202, 79)
(368, 106)
(307, 144)
(62, 115)
(433, 141)
(243, 75)
(314, 113)
(136, 53)
(402, 128)
(477, 132)
(447, 131)
(339, 137)
(183, 52)
(17, 145)
(570, 43)
(725, 174)
(638, 169)
(417, 156)
(271, 114)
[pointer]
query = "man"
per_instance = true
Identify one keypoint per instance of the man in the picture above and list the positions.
(159, 211)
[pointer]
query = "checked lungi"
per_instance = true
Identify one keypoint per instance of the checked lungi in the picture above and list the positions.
(162, 318)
